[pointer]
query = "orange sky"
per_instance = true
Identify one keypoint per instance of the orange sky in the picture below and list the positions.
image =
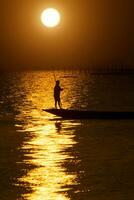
(91, 33)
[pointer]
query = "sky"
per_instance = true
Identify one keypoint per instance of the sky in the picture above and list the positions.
(91, 33)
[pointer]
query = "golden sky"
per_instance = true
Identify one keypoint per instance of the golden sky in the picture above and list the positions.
(92, 32)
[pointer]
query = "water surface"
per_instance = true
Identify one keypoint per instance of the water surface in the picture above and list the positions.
(44, 157)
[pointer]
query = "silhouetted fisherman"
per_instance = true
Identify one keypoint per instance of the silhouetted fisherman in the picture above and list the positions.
(57, 90)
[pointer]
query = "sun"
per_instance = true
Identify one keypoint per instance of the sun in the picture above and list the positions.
(50, 17)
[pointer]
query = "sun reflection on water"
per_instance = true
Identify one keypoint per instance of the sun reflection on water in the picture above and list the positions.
(48, 152)
(46, 148)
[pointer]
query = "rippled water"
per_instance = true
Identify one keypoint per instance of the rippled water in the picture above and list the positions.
(43, 157)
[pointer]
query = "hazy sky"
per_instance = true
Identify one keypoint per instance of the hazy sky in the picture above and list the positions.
(92, 32)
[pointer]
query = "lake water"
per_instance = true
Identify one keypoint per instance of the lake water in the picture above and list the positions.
(45, 158)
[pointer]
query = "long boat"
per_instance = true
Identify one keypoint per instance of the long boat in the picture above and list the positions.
(81, 114)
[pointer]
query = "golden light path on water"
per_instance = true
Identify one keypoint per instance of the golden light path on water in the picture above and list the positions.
(49, 177)
(46, 149)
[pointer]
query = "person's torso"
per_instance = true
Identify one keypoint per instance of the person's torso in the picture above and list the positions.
(57, 90)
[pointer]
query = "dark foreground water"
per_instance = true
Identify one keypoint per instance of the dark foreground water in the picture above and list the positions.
(45, 158)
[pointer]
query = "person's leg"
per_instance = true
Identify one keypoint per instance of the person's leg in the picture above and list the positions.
(59, 103)
(55, 103)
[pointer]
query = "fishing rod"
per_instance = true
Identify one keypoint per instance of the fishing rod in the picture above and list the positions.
(54, 76)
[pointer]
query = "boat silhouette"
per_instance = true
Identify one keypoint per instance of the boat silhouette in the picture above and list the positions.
(89, 114)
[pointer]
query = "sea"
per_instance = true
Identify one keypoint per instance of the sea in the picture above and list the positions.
(44, 157)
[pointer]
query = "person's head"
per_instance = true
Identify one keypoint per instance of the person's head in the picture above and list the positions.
(57, 82)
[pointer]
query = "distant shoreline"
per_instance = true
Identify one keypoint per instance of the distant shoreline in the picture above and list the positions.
(84, 70)
(112, 73)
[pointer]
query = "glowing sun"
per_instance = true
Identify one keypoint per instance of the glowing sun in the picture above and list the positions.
(50, 17)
